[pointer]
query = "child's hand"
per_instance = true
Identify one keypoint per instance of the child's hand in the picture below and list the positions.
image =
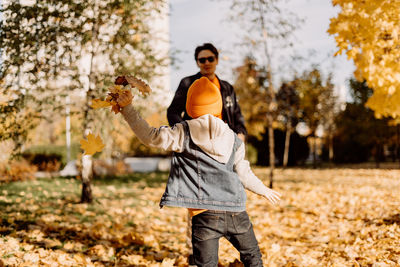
(273, 196)
(125, 99)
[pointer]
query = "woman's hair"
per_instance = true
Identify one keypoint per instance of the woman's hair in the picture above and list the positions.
(206, 46)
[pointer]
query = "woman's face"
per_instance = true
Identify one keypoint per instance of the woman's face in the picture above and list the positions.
(203, 62)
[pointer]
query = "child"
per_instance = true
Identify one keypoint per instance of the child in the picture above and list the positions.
(208, 174)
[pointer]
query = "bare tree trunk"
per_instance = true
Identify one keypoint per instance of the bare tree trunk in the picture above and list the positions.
(287, 143)
(87, 162)
(87, 175)
(87, 169)
(271, 151)
(330, 136)
(271, 142)
(377, 155)
(315, 152)
(68, 127)
(271, 93)
(398, 142)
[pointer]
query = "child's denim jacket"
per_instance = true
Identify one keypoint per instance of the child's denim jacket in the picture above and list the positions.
(198, 181)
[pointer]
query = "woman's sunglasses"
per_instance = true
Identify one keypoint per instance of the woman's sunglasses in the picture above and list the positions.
(202, 60)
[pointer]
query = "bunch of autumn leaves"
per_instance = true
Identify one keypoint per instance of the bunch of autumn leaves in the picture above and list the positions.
(122, 84)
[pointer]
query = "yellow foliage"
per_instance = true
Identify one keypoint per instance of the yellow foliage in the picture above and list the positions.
(92, 145)
(368, 32)
(98, 103)
(17, 171)
(252, 98)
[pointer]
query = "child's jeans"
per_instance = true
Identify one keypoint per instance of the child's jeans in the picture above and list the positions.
(209, 226)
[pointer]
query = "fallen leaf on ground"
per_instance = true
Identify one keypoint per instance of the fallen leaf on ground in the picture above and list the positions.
(167, 262)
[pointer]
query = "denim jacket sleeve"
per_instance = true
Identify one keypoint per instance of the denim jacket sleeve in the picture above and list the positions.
(164, 137)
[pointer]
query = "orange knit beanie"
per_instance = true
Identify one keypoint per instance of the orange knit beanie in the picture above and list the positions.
(203, 97)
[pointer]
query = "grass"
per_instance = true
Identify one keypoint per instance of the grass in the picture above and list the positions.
(51, 193)
(153, 179)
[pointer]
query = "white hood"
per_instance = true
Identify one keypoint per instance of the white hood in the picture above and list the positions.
(213, 136)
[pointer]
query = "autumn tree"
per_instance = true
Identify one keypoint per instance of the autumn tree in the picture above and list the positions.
(27, 41)
(369, 33)
(330, 109)
(314, 92)
(261, 22)
(53, 48)
(288, 108)
(359, 135)
(252, 96)
(118, 41)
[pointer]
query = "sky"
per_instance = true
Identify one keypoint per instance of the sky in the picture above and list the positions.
(194, 22)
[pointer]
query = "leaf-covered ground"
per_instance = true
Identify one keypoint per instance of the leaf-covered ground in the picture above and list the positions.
(328, 217)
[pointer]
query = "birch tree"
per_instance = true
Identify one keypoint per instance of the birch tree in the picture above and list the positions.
(28, 50)
(45, 49)
(314, 92)
(263, 21)
(288, 106)
(251, 96)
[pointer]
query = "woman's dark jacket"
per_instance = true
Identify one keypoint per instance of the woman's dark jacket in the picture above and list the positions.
(231, 113)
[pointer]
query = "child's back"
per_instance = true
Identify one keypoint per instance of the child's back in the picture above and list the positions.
(202, 176)
(208, 173)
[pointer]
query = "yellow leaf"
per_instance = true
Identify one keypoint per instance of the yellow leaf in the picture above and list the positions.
(92, 145)
(98, 103)
(116, 89)
(80, 258)
(113, 95)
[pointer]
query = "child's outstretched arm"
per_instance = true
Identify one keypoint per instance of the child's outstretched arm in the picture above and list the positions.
(164, 137)
(250, 181)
